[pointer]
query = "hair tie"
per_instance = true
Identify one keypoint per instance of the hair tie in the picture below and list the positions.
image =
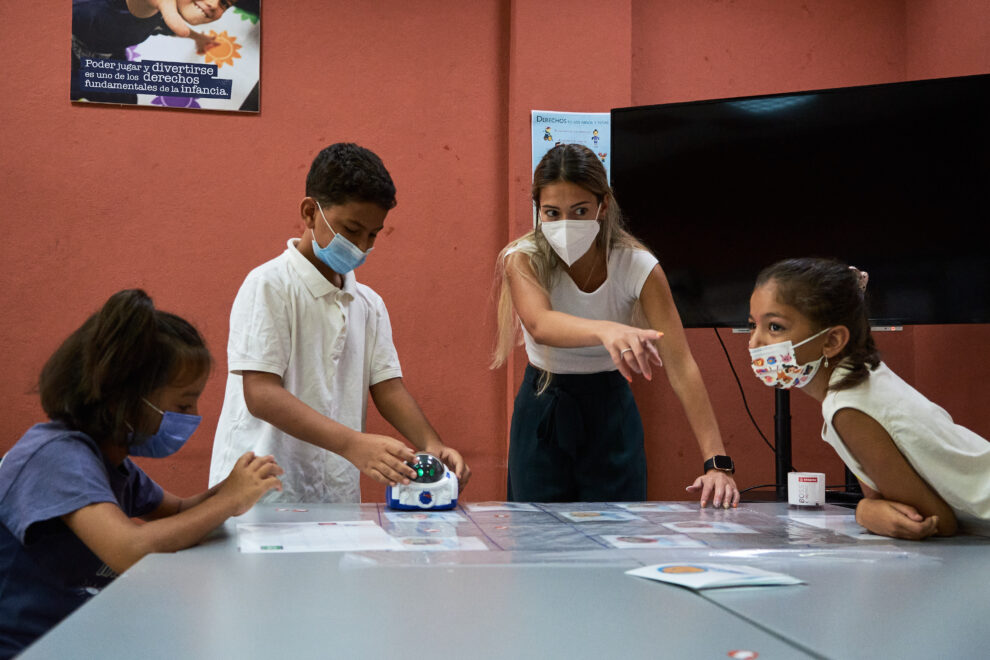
(862, 275)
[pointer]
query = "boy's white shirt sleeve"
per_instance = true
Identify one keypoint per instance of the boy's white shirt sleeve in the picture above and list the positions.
(384, 357)
(260, 337)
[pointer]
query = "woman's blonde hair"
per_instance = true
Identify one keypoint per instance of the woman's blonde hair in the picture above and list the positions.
(572, 163)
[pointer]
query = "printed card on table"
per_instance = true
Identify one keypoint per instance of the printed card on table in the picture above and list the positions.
(845, 525)
(641, 541)
(500, 506)
(439, 543)
(418, 516)
(712, 576)
(599, 516)
(646, 507)
(708, 527)
(339, 536)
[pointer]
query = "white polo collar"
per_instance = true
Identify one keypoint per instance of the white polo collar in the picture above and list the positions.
(314, 280)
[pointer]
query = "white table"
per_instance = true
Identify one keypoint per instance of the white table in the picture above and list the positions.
(547, 588)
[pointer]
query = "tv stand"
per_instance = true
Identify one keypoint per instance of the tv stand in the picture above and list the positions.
(782, 444)
(782, 439)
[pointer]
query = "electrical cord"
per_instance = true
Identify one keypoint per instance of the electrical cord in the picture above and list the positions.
(832, 488)
(743, 394)
(752, 419)
(755, 487)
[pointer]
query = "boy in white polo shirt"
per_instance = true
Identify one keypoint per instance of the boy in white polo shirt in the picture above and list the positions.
(308, 342)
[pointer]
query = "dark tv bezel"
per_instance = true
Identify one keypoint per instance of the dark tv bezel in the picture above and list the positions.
(959, 293)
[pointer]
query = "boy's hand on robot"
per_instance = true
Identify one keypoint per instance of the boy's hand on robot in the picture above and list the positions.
(454, 462)
(382, 458)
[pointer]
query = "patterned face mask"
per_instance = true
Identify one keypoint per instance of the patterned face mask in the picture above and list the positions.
(776, 366)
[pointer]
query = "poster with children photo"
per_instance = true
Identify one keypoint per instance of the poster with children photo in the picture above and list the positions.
(197, 54)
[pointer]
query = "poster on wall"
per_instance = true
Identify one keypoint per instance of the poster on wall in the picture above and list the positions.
(592, 129)
(197, 54)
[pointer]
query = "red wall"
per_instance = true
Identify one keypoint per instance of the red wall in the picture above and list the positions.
(98, 198)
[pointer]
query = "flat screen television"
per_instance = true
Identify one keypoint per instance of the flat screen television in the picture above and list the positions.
(893, 178)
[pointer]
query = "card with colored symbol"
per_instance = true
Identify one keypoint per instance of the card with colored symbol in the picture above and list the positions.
(712, 576)
(335, 536)
(641, 541)
(598, 516)
(708, 527)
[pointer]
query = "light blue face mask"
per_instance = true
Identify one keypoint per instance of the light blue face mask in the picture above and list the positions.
(340, 254)
(172, 433)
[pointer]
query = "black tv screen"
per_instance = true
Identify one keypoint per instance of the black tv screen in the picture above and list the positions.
(894, 179)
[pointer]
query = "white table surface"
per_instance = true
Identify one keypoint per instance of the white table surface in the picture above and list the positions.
(546, 588)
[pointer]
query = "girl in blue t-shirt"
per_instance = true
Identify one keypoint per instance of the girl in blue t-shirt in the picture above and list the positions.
(125, 383)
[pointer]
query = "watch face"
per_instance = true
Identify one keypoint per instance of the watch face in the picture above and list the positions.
(722, 463)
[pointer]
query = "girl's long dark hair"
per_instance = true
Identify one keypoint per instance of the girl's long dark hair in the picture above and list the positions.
(829, 293)
(95, 381)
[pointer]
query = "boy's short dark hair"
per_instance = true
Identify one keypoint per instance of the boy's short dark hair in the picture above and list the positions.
(345, 172)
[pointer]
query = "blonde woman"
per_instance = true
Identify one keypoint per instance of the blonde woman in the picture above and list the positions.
(595, 309)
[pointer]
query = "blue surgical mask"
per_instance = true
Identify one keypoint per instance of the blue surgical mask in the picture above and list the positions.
(340, 254)
(172, 433)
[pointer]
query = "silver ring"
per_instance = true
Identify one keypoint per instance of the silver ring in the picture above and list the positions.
(623, 351)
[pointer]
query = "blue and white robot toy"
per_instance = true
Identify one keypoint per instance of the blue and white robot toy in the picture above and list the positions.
(434, 488)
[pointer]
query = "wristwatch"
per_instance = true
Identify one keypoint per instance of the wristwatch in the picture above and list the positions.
(721, 463)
